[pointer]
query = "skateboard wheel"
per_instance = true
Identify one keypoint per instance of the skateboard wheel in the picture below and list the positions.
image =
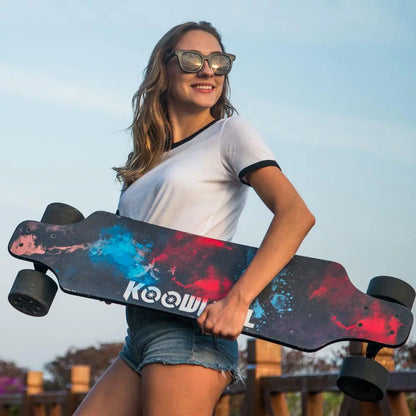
(32, 292)
(392, 289)
(58, 213)
(363, 379)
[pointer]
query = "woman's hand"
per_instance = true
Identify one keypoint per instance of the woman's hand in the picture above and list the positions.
(224, 318)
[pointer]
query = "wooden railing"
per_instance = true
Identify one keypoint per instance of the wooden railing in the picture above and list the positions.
(266, 392)
(312, 388)
(36, 402)
(262, 393)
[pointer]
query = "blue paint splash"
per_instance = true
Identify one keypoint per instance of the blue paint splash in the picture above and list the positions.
(281, 302)
(258, 310)
(117, 249)
(281, 299)
(251, 252)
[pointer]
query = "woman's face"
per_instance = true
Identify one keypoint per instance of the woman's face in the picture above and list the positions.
(194, 92)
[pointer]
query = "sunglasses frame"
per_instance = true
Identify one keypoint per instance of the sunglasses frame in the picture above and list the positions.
(179, 53)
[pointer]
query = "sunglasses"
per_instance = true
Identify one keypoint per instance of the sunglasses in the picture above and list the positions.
(193, 61)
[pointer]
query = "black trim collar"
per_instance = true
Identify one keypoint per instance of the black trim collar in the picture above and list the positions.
(187, 139)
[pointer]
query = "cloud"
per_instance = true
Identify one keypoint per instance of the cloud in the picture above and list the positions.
(39, 86)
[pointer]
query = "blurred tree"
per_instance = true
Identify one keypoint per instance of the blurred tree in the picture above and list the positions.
(11, 369)
(98, 358)
(12, 377)
(297, 362)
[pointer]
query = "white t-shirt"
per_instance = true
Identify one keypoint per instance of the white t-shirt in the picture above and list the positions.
(199, 186)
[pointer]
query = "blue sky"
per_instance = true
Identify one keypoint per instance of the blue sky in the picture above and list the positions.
(330, 85)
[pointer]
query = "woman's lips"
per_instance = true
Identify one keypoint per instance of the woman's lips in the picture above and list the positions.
(203, 88)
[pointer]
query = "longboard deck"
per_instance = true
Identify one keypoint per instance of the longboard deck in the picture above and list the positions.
(309, 304)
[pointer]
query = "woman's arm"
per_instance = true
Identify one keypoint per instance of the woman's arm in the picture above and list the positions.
(291, 222)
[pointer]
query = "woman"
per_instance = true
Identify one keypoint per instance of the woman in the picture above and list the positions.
(190, 169)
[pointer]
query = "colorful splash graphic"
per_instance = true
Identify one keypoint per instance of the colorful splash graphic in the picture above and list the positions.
(189, 263)
(280, 300)
(309, 304)
(116, 248)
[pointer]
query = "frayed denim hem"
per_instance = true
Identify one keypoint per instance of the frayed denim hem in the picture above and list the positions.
(235, 374)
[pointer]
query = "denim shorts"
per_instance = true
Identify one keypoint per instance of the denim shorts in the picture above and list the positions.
(159, 337)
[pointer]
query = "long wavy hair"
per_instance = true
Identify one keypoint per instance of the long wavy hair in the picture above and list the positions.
(151, 130)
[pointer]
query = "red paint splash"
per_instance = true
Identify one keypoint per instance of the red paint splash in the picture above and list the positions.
(379, 327)
(335, 283)
(190, 261)
(212, 287)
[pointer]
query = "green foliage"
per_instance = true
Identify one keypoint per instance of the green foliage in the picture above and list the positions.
(411, 402)
(332, 403)
(294, 403)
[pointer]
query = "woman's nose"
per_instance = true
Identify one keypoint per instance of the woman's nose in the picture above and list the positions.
(206, 69)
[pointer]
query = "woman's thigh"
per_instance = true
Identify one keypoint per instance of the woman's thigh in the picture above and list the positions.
(181, 389)
(117, 392)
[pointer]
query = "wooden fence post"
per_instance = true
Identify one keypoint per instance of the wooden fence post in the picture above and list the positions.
(80, 385)
(80, 378)
(312, 404)
(34, 385)
(34, 382)
(263, 359)
(398, 403)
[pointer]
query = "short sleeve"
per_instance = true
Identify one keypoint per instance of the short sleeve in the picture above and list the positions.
(243, 149)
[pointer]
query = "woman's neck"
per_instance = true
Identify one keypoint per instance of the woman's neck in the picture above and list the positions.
(183, 125)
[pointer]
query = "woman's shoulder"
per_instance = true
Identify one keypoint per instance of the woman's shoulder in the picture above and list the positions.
(235, 122)
(238, 127)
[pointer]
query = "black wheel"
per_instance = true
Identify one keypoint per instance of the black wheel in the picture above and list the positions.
(392, 289)
(61, 214)
(363, 379)
(32, 292)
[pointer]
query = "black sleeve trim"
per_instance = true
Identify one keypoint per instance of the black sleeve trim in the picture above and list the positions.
(254, 167)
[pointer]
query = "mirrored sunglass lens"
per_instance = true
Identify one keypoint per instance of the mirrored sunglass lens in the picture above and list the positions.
(191, 62)
(220, 64)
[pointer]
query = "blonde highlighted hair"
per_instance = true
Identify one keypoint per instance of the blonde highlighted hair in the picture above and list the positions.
(151, 130)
